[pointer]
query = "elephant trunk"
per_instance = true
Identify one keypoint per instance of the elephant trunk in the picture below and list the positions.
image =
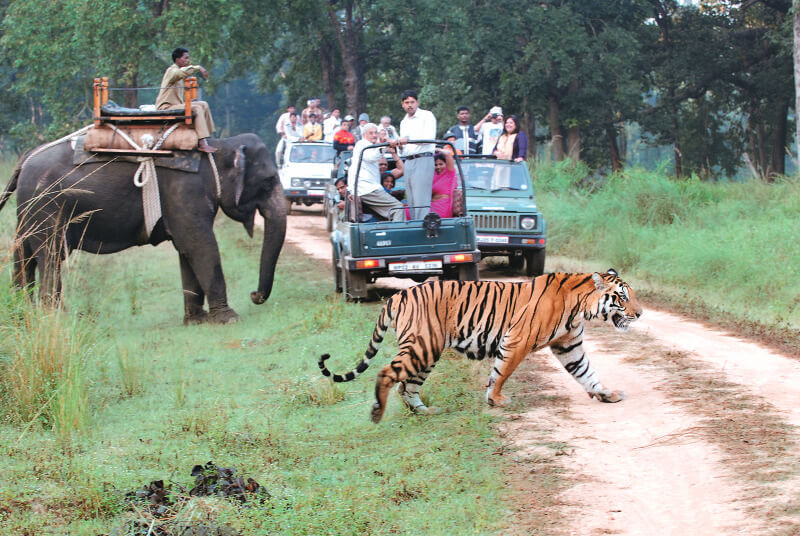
(274, 233)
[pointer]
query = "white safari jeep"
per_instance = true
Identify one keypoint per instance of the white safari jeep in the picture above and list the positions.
(307, 168)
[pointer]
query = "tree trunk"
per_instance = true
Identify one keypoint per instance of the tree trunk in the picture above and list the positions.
(355, 88)
(131, 98)
(761, 137)
(779, 132)
(556, 134)
(528, 125)
(327, 60)
(574, 143)
(616, 161)
(797, 69)
(677, 147)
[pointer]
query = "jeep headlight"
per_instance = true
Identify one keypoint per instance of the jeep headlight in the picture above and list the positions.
(527, 222)
(297, 182)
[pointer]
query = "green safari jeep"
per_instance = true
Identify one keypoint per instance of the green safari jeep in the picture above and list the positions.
(507, 221)
(364, 251)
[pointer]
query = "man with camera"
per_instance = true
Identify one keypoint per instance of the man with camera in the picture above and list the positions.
(489, 133)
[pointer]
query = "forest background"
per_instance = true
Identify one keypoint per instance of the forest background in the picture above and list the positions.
(701, 88)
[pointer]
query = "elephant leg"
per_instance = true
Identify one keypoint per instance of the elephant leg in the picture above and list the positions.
(24, 266)
(193, 295)
(206, 271)
(50, 256)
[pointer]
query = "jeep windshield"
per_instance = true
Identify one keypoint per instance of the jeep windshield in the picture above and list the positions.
(312, 154)
(495, 176)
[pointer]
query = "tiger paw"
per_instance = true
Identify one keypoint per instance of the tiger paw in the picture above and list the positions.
(608, 396)
(425, 410)
(499, 401)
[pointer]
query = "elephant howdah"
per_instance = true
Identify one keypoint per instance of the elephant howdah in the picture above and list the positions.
(95, 207)
(183, 138)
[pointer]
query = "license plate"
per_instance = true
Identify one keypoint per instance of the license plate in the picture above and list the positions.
(489, 239)
(414, 265)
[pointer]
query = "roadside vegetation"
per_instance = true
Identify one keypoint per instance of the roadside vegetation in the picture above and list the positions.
(151, 399)
(726, 251)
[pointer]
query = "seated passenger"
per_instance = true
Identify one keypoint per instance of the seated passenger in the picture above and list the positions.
(170, 96)
(393, 174)
(343, 139)
(312, 131)
(444, 183)
(452, 139)
(387, 181)
(369, 189)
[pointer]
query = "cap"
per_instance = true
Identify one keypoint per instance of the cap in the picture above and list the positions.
(348, 117)
(496, 110)
(363, 117)
(450, 134)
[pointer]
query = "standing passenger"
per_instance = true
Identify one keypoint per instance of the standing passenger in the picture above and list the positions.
(418, 124)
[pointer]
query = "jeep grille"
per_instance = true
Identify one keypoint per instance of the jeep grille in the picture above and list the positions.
(496, 222)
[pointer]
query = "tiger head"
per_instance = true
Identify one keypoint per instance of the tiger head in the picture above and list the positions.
(617, 303)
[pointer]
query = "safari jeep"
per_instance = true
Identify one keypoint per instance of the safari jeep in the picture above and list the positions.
(507, 220)
(364, 251)
(305, 172)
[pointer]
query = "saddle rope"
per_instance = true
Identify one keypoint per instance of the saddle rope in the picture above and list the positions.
(147, 179)
(68, 137)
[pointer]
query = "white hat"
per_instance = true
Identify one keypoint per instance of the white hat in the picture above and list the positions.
(496, 110)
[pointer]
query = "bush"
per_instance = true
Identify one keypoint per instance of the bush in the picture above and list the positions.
(729, 244)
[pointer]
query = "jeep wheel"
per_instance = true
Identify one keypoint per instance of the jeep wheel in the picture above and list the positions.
(355, 285)
(534, 262)
(516, 262)
(468, 272)
(288, 206)
(337, 272)
(329, 218)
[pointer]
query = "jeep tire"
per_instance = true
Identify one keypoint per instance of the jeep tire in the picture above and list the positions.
(534, 262)
(468, 272)
(355, 285)
(337, 272)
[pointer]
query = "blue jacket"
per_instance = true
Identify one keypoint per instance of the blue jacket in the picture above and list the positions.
(459, 134)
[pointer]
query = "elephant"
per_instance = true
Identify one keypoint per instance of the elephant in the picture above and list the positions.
(96, 207)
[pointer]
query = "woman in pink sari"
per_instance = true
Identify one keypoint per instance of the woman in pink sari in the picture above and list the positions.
(444, 184)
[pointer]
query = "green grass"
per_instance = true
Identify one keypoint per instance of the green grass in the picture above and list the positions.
(730, 247)
(162, 398)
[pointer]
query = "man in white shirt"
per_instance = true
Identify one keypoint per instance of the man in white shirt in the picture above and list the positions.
(418, 124)
(294, 130)
(280, 128)
(369, 188)
(331, 124)
(489, 133)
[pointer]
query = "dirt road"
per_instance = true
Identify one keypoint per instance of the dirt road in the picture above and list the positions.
(705, 443)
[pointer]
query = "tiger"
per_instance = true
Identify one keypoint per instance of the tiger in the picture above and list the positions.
(502, 320)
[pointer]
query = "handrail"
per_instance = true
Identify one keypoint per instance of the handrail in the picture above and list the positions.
(100, 97)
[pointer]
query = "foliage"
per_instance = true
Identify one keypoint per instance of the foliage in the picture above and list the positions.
(712, 79)
(722, 244)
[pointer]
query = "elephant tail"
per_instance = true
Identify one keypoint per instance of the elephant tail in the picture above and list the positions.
(11, 187)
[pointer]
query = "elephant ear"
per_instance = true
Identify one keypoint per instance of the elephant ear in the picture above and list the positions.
(240, 165)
